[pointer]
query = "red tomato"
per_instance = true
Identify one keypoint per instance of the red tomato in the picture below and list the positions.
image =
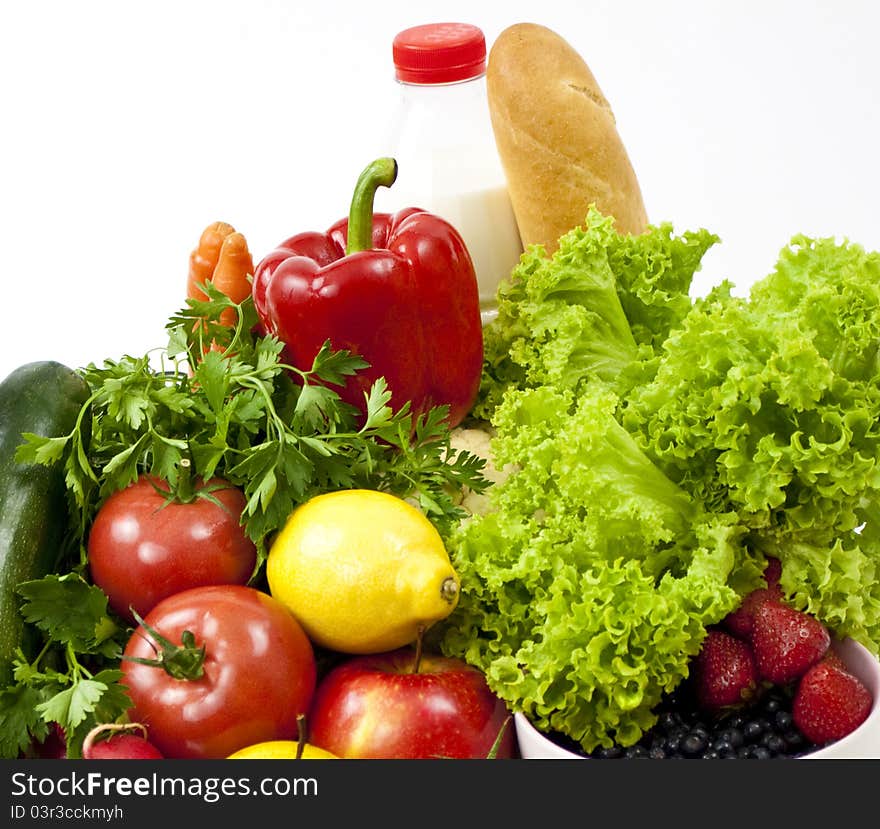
(143, 548)
(259, 673)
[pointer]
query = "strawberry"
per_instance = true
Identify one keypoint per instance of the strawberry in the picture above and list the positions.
(739, 622)
(786, 642)
(830, 703)
(833, 657)
(773, 572)
(724, 671)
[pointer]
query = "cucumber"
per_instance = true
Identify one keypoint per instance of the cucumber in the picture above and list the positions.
(45, 398)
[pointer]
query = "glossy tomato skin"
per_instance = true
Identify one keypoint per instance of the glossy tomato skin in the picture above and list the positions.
(142, 549)
(376, 707)
(259, 673)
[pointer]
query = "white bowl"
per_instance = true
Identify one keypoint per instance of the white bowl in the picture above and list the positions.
(862, 744)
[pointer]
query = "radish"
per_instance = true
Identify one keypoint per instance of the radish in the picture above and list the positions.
(52, 747)
(121, 744)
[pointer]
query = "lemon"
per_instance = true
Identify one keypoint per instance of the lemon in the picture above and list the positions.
(362, 571)
(281, 750)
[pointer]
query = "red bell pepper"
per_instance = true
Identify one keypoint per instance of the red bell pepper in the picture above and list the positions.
(397, 289)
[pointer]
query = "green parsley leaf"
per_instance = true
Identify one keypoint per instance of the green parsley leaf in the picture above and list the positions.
(107, 700)
(378, 411)
(40, 449)
(72, 706)
(336, 366)
(20, 723)
(70, 611)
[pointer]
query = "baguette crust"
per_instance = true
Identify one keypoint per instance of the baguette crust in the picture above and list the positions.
(557, 138)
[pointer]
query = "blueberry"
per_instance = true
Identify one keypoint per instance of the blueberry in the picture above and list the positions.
(699, 728)
(694, 743)
(794, 739)
(760, 729)
(753, 730)
(673, 740)
(772, 704)
(734, 736)
(608, 753)
(669, 722)
(783, 720)
(774, 743)
(722, 744)
(737, 720)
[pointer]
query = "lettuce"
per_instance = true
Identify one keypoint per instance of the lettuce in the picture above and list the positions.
(663, 448)
(587, 311)
(770, 407)
(654, 273)
(588, 588)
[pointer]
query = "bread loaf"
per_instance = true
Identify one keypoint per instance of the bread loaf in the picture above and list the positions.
(557, 138)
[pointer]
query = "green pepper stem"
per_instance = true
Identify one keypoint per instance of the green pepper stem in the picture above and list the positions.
(380, 173)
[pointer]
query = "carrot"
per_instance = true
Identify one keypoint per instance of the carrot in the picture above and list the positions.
(234, 267)
(203, 259)
(223, 257)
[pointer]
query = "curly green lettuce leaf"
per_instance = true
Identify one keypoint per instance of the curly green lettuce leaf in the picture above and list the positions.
(654, 272)
(655, 471)
(559, 318)
(770, 406)
(835, 577)
(571, 452)
(590, 310)
(831, 292)
(588, 587)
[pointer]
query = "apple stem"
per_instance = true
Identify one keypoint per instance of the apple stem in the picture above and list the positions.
(303, 735)
(418, 660)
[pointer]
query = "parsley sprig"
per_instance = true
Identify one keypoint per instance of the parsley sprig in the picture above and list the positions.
(74, 679)
(224, 398)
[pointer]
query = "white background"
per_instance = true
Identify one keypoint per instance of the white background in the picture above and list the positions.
(126, 128)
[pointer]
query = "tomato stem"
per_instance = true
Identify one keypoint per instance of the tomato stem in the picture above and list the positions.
(184, 491)
(185, 661)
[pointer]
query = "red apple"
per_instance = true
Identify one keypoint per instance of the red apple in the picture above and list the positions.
(397, 705)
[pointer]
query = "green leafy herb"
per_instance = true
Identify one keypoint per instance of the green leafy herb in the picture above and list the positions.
(224, 398)
(74, 680)
(48, 604)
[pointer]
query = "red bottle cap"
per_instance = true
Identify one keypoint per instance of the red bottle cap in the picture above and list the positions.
(439, 53)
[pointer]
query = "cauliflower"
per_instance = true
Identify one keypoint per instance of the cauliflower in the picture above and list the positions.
(476, 439)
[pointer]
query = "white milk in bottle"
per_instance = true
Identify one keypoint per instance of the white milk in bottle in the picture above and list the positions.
(442, 139)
